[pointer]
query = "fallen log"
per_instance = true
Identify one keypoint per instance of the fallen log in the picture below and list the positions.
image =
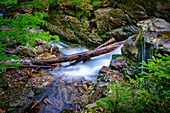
(106, 43)
(88, 57)
(82, 55)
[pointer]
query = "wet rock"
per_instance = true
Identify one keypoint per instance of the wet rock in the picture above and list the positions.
(85, 86)
(81, 89)
(119, 63)
(108, 75)
(43, 46)
(94, 41)
(39, 49)
(25, 51)
(54, 49)
(85, 98)
(153, 25)
(121, 33)
(151, 43)
(61, 96)
(129, 49)
(71, 30)
(109, 18)
(95, 93)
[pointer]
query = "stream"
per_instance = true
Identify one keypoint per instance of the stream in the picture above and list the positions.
(67, 93)
(84, 70)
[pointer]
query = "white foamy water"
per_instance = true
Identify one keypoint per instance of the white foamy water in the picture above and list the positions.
(88, 70)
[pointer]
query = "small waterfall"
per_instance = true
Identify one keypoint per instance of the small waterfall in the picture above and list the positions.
(144, 52)
(87, 70)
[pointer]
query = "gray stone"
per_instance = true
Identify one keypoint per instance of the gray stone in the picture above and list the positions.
(153, 25)
(119, 63)
(121, 33)
(108, 75)
(25, 51)
(109, 18)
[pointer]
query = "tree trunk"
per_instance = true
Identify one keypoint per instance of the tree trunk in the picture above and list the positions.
(82, 55)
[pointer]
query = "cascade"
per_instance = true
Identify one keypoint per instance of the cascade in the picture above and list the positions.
(87, 70)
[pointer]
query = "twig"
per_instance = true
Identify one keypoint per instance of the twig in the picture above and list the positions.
(46, 94)
(29, 66)
(8, 52)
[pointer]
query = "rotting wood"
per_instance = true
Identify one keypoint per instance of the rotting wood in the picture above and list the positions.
(82, 55)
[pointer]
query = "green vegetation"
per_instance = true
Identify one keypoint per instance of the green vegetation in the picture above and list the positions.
(147, 94)
(8, 2)
(18, 32)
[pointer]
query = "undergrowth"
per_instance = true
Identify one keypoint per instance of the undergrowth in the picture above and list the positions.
(149, 93)
(18, 32)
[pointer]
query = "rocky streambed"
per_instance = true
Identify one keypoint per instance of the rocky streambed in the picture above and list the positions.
(62, 88)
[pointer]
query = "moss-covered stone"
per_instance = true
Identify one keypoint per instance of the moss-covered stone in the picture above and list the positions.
(130, 49)
(134, 10)
(69, 28)
(109, 18)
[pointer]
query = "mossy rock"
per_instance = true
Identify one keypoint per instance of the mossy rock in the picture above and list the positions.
(130, 49)
(134, 10)
(109, 18)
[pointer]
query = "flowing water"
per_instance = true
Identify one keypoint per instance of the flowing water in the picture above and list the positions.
(64, 94)
(87, 70)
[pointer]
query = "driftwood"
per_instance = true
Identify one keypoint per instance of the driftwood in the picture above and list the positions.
(82, 55)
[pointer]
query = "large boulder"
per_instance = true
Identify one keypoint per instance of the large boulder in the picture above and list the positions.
(154, 25)
(40, 46)
(109, 18)
(120, 33)
(67, 27)
(133, 10)
(145, 48)
(148, 41)
(25, 51)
